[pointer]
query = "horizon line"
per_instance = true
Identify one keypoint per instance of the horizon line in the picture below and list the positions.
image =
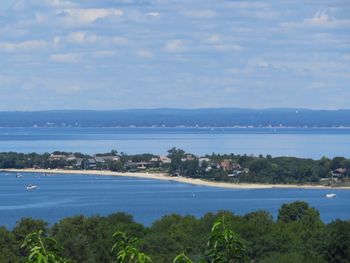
(171, 108)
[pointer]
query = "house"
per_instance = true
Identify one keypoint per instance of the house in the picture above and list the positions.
(155, 160)
(57, 157)
(164, 160)
(238, 171)
(142, 165)
(79, 162)
(110, 158)
(208, 169)
(189, 157)
(339, 173)
(71, 158)
(91, 163)
(100, 160)
(225, 165)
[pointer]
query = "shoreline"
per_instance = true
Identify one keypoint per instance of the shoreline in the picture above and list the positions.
(164, 177)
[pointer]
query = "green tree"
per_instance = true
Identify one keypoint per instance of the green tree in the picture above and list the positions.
(297, 211)
(42, 249)
(175, 155)
(182, 258)
(224, 245)
(126, 251)
(337, 245)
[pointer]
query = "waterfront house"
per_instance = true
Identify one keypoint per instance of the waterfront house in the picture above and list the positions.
(91, 163)
(164, 160)
(225, 165)
(57, 157)
(339, 173)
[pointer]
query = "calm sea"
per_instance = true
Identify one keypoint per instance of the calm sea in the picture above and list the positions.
(65, 195)
(59, 196)
(299, 142)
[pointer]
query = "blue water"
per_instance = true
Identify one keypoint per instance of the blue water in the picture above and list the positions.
(60, 196)
(299, 142)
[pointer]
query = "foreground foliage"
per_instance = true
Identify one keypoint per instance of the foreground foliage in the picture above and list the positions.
(298, 235)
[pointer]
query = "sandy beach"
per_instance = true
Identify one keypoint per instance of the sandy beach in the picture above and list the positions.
(162, 176)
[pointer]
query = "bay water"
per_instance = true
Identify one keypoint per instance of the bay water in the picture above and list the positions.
(63, 195)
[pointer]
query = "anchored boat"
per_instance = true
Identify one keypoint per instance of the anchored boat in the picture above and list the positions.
(331, 195)
(31, 187)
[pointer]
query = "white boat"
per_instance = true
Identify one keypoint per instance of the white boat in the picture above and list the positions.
(31, 187)
(18, 175)
(331, 195)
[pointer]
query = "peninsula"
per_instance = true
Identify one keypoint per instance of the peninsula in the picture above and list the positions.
(229, 171)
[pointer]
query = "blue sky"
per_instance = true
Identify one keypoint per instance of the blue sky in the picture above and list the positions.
(114, 54)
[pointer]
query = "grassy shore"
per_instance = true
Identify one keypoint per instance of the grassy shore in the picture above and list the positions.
(163, 176)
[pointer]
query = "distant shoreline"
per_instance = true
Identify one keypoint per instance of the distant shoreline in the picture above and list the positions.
(163, 176)
(249, 127)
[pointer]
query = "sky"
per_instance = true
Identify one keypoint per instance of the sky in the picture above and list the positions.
(120, 54)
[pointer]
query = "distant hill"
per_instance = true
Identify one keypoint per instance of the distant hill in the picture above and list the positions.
(178, 117)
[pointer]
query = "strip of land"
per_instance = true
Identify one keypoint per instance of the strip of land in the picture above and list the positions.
(163, 176)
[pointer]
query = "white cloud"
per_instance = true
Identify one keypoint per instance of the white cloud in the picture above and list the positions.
(320, 19)
(66, 58)
(56, 40)
(175, 45)
(58, 3)
(214, 38)
(143, 53)
(153, 14)
(81, 37)
(23, 46)
(85, 37)
(204, 14)
(76, 17)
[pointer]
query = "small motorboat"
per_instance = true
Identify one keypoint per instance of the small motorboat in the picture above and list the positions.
(18, 175)
(31, 187)
(331, 195)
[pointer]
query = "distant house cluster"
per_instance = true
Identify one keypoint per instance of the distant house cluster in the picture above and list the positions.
(100, 161)
(105, 161)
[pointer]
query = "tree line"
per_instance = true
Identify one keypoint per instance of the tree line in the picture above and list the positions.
(297, 235)
(258, 169)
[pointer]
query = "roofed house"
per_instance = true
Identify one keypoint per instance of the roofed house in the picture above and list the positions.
(100, 160)
(340, 172)
(225, 165)
(110, 158)
(57, 157)
(202, 160)
(71, 158)
(189, 157)
(164, 160)
(91, 163)
(79, 162)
